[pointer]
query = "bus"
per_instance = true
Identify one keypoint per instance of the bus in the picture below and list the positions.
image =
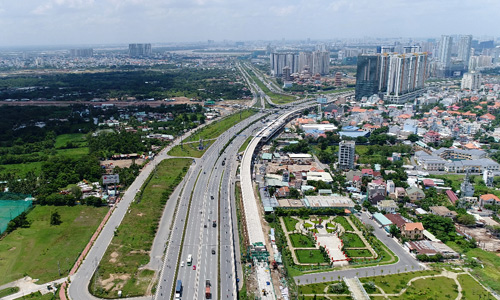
(189, 260)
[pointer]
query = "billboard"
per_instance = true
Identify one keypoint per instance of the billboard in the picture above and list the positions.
(112, 178)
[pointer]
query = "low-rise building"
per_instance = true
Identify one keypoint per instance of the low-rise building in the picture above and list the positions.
(333, 201)
(320, 176)
(488, 199)
(413, 231)
(389, 206)
(442, 211)
(415, 194)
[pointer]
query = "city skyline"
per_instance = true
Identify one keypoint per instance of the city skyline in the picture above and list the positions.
(67, 22)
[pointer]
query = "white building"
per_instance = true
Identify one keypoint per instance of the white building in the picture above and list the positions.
(471, 81)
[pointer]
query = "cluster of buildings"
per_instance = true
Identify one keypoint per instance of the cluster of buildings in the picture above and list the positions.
(286, 64)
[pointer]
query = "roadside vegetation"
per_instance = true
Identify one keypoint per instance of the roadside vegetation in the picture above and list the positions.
(121, 266)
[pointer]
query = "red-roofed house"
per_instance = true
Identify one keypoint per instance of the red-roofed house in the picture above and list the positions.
(451, 195)
(367, 172)
(488, 199)
(396, 219)
(428, 183)
(283, 192)
(487, 117)
(413, 231)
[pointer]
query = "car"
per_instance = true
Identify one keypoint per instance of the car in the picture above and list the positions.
(213, 251)
(205, 225)
(194, 267)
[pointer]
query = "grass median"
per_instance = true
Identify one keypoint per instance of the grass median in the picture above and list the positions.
(44, 251)
(208, 132)
(121, 266)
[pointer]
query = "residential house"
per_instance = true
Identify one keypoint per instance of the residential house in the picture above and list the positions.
(442, 211)
(376, 192)
(488, 199)
(389, 206)
(413, 231)
(396, 219)
(415, 194)
(283, 192)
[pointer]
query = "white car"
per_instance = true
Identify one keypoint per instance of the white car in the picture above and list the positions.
(182, 263)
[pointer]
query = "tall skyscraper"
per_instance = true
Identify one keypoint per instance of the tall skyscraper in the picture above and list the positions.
(395, 77)
(139, 50)
(367, 76)
(464, 47)
(444, 52)
(346, 155)
(282, 60)
(471, 81)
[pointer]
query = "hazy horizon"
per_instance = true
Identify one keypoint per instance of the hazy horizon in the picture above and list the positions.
(108, 22)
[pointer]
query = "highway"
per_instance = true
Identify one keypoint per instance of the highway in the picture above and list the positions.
(207, 178)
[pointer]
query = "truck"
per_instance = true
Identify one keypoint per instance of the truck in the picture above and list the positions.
(208, 293)
(189, 260)
(214, 223)
(178, 289)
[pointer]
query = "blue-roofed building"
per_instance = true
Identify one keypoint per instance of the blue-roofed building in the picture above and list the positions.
(350, 128)
(267, 156)
(381, 219)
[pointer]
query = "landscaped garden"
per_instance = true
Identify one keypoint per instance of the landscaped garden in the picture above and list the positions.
(312, 256)
(342, 221)
(352, 240)
(301, 241)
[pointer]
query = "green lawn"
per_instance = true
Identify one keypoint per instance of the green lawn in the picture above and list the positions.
(358, 253)
(220, 126)
(312, 256)
(314, 288)
(39, 296)
(472, 290)
(352, 240)
(393, 284)
(37, 251)
(189, 150)
(129, 249)
(342, 221)
(290, 223)
(77, 139)
(9, 291)
(490, 274)
(245, 144)
(22, 169)
(73, 152)
(438, 288)
(301, 241)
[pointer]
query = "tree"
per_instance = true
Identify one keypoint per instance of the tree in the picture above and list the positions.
(466, 219)
(294, 193)
(413, 138)
(394, 230)
(55, 219)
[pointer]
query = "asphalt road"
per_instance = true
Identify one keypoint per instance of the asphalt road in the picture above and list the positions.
(406, 262)
(196, 209)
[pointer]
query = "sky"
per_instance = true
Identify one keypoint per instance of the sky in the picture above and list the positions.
(70, 22)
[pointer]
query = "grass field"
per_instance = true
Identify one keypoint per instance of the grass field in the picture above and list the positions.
(245, 144)
(290, 223)
(129, 249)
(22, 169)
(352, 240)
(77, 139)
(73, 152)
(37, 251)
(358, 253)
(189, 150)
(9, 291)
(312, 256)
(439, 288)
(392, 284)
(342, 221)
(217, 128)
(472, 290)
(39, 296)
(276, 98)
(301, 241)
(490, 274)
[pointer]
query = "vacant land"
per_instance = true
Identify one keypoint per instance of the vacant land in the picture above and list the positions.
(189, 150)
(129, 250)
(70, 140)
(472, 290)
(39, 250)
(312, 256)
(9, 291)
